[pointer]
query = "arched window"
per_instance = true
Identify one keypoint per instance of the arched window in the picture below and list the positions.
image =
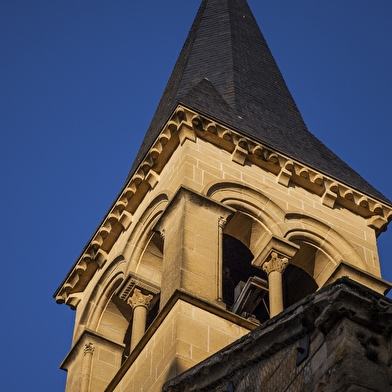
(145, 280)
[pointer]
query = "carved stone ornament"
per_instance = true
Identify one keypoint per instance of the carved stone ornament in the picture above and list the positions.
(222, 222)
(140, 299)
(89, 348)
(276, 263)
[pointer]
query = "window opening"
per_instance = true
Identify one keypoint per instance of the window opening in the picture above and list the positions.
(244, 287)
(297, 284)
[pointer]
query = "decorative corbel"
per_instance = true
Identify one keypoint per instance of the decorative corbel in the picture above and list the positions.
(363, 202)
(185, 132)
(73, 300)
(125, 219)
(211, 127)
(377, 223)
(286, 173)
(114, 216)
(152, 178)
(100, 258)
(330, 195)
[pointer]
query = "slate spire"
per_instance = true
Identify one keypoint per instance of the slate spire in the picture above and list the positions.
(226, 72)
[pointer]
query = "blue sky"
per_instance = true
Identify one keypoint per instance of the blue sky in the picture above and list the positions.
(80, 81)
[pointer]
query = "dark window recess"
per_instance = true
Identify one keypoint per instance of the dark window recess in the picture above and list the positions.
(244, 288)
(152, 314)
(127, 342)
(248, 296)
(297, 284)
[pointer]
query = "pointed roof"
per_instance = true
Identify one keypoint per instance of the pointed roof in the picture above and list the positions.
(226, 72)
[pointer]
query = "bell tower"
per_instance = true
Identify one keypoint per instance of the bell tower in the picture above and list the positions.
(232, 212)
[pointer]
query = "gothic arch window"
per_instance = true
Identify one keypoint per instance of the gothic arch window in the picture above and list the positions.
(327, 246)
(237, 270)
(150, 268)
(259, 218)
(101, 312)
(144, 247)
(144, 252)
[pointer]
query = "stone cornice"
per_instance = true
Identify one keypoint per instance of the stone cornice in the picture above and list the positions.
(288, 171)
(186, 124)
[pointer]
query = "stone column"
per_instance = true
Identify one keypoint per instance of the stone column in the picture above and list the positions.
(141, 305)
(274, 269)
(86, 367)
(221, 223)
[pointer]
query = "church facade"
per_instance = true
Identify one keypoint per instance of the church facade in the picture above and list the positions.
(232, 213)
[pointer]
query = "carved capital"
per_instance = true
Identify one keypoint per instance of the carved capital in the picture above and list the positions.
(88, 348)
(276, 263)
(140, 299)
(222, 222)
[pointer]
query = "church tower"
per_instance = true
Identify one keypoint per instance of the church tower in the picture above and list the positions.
(232, 212)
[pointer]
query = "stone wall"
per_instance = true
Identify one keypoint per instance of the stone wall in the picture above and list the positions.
(187, 335)
(337, 340)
